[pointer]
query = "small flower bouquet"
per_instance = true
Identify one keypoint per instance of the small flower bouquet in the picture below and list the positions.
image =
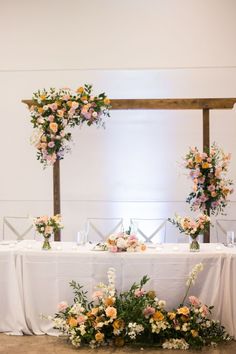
(46, 226)
(211, 188)
(136, 317)
(55, 112)
(124, 242)
(192, 227)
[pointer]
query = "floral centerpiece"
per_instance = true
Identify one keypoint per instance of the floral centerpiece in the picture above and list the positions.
(211, 188)
(136, 316)
(124, 242)
(192, 227)
(54, 112)
(46, 226)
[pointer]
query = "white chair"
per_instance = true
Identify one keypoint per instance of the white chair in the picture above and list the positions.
(222, 226)
(98, 229)
(18, 228)
(150, 230)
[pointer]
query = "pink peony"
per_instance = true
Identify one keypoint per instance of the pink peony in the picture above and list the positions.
(204, 310)
(148, 311)
(62, 306)
(194, 301)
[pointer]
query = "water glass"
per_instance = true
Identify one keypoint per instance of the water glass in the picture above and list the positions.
(230, 238)
(81, 237)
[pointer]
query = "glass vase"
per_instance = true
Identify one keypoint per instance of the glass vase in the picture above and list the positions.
(46, 244)
(194, 245)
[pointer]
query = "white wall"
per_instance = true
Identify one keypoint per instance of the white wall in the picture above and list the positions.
(182, 49)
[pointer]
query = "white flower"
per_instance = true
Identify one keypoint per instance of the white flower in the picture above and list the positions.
(162, 303)
(121, 243)
(193, 274)
(94, 114)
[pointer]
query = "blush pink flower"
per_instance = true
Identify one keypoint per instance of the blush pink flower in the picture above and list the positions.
(51, 118)
(204, 310)
(113, 249)
(139, 292)
(194, 301)
(111, 312)
(81, 319)
(97, 294)
(62, 306)
(148, 311)
(51, 144)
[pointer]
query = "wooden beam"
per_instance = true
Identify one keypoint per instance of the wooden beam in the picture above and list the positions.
(56, 195)
(168, 103)
(206, 145)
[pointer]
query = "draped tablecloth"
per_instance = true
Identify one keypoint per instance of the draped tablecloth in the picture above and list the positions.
(42, 278)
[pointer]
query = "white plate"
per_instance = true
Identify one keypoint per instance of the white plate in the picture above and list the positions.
(7, 243)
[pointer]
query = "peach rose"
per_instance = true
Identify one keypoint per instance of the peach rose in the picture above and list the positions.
(183, 311)
(62, 306)
(72, 322)
(171, 315)
(111, 312)
(118, 324)
(109, 301)
(54, 127)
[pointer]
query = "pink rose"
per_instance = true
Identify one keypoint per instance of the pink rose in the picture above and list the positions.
(139, 292)
(51, 144)
(80, 319)
(53, 107)
(194, 301)
(62, 306)
(97, 294)
(51, 118)
(204, 310)
(148, 311)
(113, 249)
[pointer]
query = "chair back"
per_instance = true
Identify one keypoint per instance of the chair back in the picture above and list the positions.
(98, 229)
(18, 228)
(149, 230)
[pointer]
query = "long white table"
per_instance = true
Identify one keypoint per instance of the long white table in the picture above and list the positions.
(34, 281)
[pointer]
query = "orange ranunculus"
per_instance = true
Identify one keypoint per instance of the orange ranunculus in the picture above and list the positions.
(54, 127)
(158, 316)
(109, 301)
(106, 101)
(183, 311)
(119, 324)
(171, 315)
(80, 90)
(72, 322)
(99, 336)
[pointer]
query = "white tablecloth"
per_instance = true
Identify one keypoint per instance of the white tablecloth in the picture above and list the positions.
(39, 280)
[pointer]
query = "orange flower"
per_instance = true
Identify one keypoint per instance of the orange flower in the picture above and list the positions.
(158, 316)
(72, 322)
(99, 337)
(143, 247)
(109, 301)
(183, 311)
(54, 127)
(43, 97)
(206, 165)
(94, 311)
(40, 110)
(84, 98)
(69, 103)
(118, 324)
(198, 159)
(106, 101)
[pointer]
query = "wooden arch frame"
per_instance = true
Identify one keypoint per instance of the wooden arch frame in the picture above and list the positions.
(203, 104)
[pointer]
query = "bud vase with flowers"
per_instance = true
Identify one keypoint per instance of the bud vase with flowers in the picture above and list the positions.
(46, 226)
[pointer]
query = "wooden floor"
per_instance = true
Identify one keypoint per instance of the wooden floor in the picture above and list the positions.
(54, 345)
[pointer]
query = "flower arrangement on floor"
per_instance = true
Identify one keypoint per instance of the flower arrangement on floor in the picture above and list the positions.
(192, 227)
(54, 112)
(124, 242)
(46, 226)
(136, 316)
(211, 188)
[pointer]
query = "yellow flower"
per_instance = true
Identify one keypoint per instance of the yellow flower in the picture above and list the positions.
(99, 337)
(72, 322)
(106, 101)
(158, 316)
(94, 311)
(43, 97)
(118, 324)
(40, 109)
(84, 98)
(171, 315)
(183, 311)
(198, 159)
(80, 90)
(194, 333)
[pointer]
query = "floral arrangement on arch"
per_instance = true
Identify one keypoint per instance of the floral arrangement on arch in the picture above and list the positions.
(137, 316)
(55, 112)
(211, 188)
(190, 226)
(46, 225)
(124, 242)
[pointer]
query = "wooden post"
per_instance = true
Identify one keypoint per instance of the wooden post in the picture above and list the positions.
(56, 195)
(206, 145)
